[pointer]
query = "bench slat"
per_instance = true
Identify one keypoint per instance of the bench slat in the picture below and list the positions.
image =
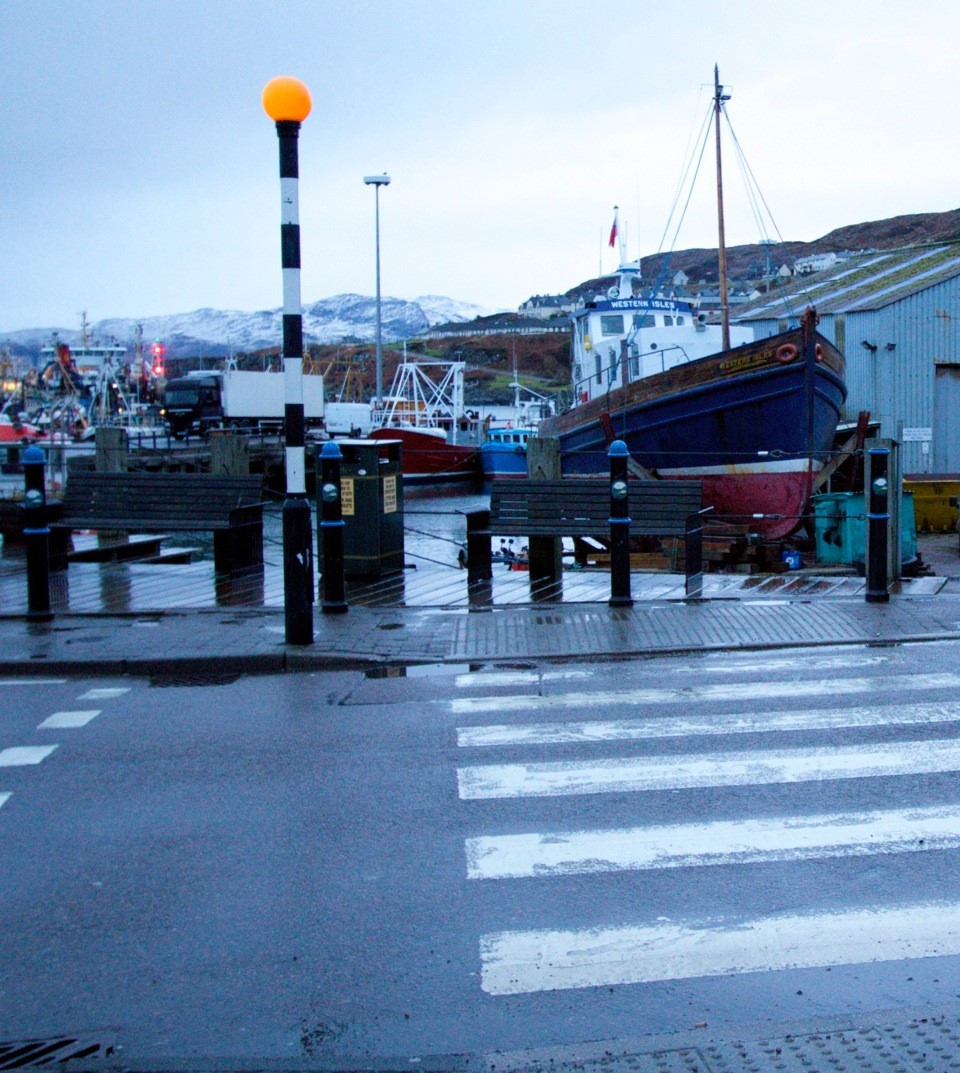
(230, 507)
(581, 507)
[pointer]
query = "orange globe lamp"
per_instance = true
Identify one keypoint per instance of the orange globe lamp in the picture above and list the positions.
(286, 100)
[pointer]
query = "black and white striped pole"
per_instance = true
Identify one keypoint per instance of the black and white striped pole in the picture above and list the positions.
(287, 102)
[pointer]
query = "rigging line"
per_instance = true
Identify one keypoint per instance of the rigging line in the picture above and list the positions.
(685, 176)
(754, 192)
(686, 179)
(753, 185)
(703, 147)
(752, 201)
(687, 160)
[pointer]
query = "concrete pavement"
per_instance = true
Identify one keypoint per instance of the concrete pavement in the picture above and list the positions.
(230, 642)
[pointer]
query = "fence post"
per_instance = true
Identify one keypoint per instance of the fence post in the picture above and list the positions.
(693, 556)
(331, 530)
(544, 553)
(479, 558)
(36, 533)
(112, 449)
(228, 452)
(877, 517)
(619, 526)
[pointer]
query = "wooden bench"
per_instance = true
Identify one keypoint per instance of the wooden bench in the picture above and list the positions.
(231, 507)
(580, 507)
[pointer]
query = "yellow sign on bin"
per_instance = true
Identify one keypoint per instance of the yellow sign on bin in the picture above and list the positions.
(347, 499)
(389, 495)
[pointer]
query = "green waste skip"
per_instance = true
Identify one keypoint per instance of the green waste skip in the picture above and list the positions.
(840, 527)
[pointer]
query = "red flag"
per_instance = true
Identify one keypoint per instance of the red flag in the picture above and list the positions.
(613, 234)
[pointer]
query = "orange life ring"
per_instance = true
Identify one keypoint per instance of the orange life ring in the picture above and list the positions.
(818, 353)
(787, 352)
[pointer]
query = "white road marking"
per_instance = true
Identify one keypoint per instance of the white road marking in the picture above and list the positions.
(104, 694)
(522, 962)
(484, 679)
(4, 798)
(731, 691)
(21, 755)
(778, 838)
(68, 720)
(6, 683)
(691, 726)
(631, 774)
(791, 663)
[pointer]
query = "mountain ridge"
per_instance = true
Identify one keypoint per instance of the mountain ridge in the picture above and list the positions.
(351, 318)
(219, 333)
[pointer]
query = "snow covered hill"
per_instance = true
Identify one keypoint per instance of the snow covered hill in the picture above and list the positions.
(219, 332)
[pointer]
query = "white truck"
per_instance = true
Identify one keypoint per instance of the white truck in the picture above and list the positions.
(348, 418)
(235, 398)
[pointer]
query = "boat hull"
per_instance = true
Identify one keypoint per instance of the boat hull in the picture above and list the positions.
(753, 427)
(428, 459)
(502, 461)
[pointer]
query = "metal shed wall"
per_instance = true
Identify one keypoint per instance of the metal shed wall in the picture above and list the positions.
(899, 382)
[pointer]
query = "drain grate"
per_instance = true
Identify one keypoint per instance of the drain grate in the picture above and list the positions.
(188, 678)
(25, 1053)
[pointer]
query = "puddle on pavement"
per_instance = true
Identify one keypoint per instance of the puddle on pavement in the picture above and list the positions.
(428, 670)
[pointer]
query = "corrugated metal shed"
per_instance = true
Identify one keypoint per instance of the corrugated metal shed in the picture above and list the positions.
(866, 281)
(895, 315)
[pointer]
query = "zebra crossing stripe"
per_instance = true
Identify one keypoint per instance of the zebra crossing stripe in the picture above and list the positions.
(68, 720)
(516, 963)
(771, 839)
(732, 664)
(723, 691)
(105, 693)
(486, 679)
(4, 798)
(22, 755)
(687, 726)
(7, 683)
(759, 767)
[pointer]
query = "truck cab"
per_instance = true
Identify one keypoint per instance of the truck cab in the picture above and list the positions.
(193, 403)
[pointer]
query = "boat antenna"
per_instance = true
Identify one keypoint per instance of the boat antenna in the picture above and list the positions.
(719, 97)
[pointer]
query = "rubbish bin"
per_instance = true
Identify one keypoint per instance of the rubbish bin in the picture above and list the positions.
(371, 486)
(934, 500)
(840, 528)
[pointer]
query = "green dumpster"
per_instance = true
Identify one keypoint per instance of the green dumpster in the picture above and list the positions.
(840, 528)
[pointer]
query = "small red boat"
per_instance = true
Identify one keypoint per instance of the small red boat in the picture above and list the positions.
(440, 440)
(14, 431)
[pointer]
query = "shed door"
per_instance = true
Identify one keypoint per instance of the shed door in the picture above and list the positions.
(946, 419)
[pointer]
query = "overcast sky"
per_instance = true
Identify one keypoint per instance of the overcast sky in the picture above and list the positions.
(138, 173)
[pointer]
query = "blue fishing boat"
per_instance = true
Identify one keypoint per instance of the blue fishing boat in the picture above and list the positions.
(753, 419)
(503, 453)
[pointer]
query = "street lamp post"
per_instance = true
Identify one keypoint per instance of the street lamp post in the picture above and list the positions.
(376, 181)
(287, 102)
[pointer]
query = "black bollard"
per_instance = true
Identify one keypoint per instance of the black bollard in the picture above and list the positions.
(36, 533)
(619, 526)
(479, 557)
(331, 530)
(877, 517)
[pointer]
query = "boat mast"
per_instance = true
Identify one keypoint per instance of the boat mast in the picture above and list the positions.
(718, 98)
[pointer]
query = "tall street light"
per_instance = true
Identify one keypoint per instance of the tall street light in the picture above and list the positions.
(287, 102)
(376, 181)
